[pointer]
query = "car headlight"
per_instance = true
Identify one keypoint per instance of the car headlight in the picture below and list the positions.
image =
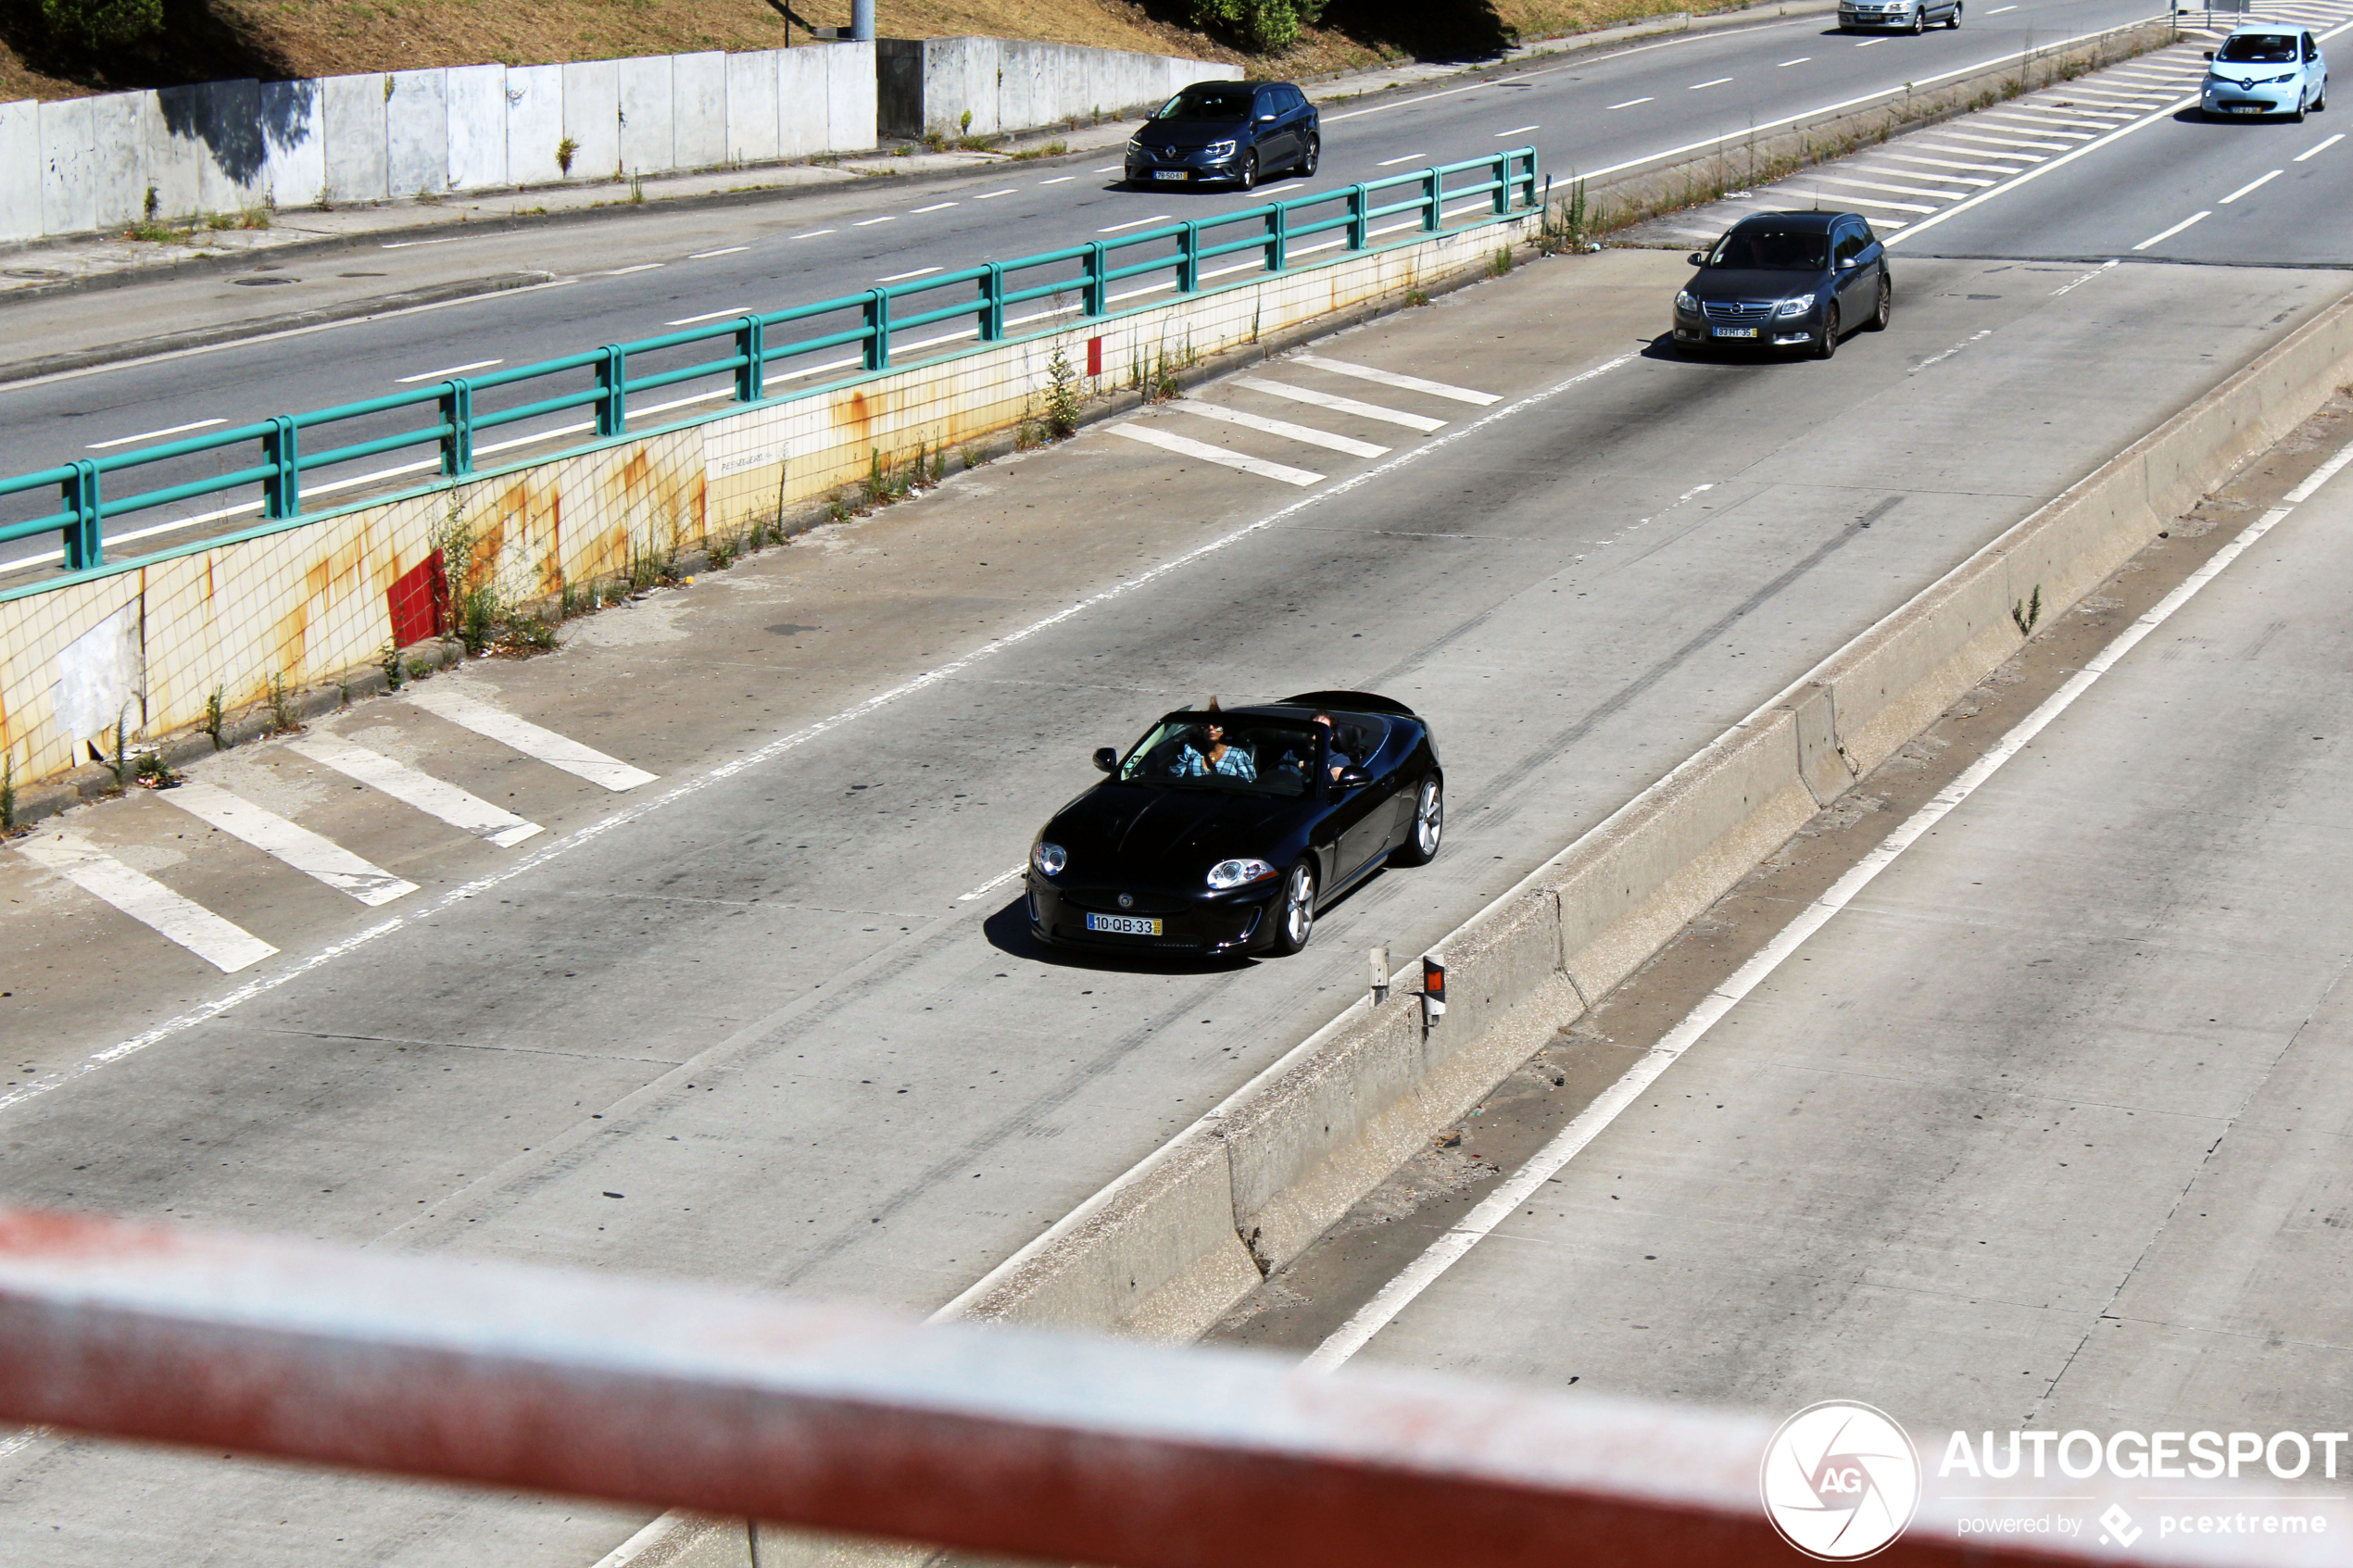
(1236, 873)
(1048, 858)
(2285, 76)
(1219, 149)
(1797, 307)
(1684, 301)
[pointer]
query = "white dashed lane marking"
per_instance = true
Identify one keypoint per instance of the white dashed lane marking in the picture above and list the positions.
(436, 797)
(1390, 378)
(227, 947)
(1218, 454)
(1283, 428)
(291, 843)
(492, 723)
(1342, 405)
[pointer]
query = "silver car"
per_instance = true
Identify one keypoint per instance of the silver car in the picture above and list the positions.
(1906, 16)
(2266, 69)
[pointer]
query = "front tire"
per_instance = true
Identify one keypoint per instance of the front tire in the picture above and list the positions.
(1886, 309)
(1311, 158)
(1295, 915)
(1919, 18)
(1954, 21)
(1250, 170)
(1429, 825)
(1828, 346)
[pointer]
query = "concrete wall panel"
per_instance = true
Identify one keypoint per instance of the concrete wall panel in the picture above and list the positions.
(417, 133)
(293, 142)
(477, 136)
(850, 98)
(960, 74)
(119, 145)
(591, 118)
(646, 114)
(698, 110)
(68, 176)
(534, 105)
(800, 101)
(352, 109)
(751, 106)
(20, 170)
(1025, 94)
(173, 161)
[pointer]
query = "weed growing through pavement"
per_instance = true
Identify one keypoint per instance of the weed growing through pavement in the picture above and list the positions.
(150, 771)
(1500, 262)
(116, 764)
(214, 717)
(1062, 395)
(971, 457)
(8, 793)
(2026, 613)
(1051, 149)
(281, 713)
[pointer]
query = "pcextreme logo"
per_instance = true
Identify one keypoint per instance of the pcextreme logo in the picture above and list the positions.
(1840, 1480)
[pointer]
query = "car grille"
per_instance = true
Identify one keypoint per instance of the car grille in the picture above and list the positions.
(1742, 311)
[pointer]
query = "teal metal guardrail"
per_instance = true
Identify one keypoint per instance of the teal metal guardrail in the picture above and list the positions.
(285, 446)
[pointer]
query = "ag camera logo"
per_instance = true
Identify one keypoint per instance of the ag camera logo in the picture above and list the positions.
(1840, 1480)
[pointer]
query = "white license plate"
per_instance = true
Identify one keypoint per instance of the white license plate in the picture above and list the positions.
(2246, 109)
(1125, 925)
(1735, 332)
(1168, 174)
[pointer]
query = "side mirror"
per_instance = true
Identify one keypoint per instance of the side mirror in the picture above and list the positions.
(1106, 760)
(1846, 261)
(2209, 54)
(1697, 258)
(1354, 778)
(1265, 119)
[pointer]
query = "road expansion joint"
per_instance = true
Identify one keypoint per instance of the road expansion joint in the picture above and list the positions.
(1302, 1304)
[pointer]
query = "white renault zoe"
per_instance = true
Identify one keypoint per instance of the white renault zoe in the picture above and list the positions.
(2266, 70)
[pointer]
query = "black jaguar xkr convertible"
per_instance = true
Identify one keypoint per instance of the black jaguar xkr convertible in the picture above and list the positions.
(1224, 831)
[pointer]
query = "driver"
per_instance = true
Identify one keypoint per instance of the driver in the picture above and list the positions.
(1212, 754)
(1337, 759)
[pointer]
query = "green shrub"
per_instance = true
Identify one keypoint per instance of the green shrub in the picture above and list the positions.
(1266, 25)
(102, 24)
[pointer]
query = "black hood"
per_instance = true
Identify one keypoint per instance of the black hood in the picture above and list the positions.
(1141, 833)
(1754, 282)
(1180, 135)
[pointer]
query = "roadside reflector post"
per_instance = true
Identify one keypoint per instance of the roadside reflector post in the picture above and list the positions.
(1380, 975)
(1433, 991)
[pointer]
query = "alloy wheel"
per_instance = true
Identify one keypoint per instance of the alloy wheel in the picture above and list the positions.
(1250, 170)
(1315, 153)
(1429, 825)
(1297, 917)
(1886, 311)
(1919, 18)
(1829, 344)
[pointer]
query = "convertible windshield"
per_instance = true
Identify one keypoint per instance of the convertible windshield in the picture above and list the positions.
(1221, 102)
(1767, 251)
(2259, 49)
(1204, 751)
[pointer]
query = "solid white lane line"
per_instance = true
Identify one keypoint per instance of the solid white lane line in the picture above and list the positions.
(470, 712)
(994, 882)
(1134, 223)
(1632, 102)
(206, 425)
(935, 206)
(1390, 378)
(1393, 162)
(2042, 169)
(992, 195)
(708, 316)
(1183, 447)
(1697, 85)
(1342, 405)
(1516, 131)
(1059, 180)
(706, 255)
(2324, 146)
(2176, 230)
(1589, 1123)
(436, 797)
(786, 743)
(290, 843)
(227, 947)
(903, 277)
(869, 222)
(440, 375)
(2250, 187)
(812, 235)
(641, 266)
(1799, 61)
(1284, 428)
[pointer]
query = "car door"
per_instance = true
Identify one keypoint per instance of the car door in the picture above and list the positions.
(1267, 131)
(1366, 816)
(2314, 68)
(1851, 277)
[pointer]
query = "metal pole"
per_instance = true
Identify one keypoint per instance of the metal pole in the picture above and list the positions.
(861, 20)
